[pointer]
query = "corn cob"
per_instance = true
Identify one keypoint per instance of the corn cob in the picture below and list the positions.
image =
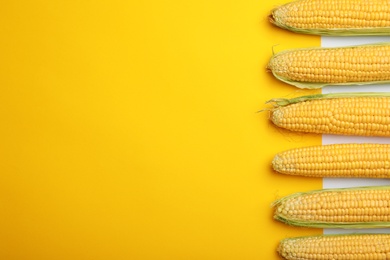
(316, 67)
(364, 207)
(330, 247)
(338, 160)
(364, 114)
(334, 17)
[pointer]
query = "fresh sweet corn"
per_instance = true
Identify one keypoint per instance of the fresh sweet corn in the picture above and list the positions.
(330, 247)
(364, 114)
(316, 67)
(363, 207)
(337, 160)
(334, 17)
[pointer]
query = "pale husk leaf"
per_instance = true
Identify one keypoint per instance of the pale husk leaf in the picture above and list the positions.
(280, 102)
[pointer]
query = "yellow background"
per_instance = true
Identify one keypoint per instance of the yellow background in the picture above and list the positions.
(129, 130)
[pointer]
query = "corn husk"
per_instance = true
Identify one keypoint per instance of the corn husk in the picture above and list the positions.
(281, 102)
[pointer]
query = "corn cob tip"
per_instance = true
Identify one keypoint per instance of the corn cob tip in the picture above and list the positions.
(273, 65)
(288, 249)
(280, 249)
(281, 65)
(277, 15)
(271, 17)
(277, 116)
(275, 162)
(268, 68)
(281, 164)
(278, 163)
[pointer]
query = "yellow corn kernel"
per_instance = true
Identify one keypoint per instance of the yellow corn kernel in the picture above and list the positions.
(363, 207)
(359, 114)
(334, 17)
(317, 67)
(329, 247)
(338, 160)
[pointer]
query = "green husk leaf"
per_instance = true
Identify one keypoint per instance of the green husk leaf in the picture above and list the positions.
(334, 235)
(323, 224)
(315, 85)
(333, 32)
(280, 102)
(343, 225)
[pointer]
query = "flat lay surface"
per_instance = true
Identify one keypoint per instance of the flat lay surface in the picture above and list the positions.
(130, 130)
